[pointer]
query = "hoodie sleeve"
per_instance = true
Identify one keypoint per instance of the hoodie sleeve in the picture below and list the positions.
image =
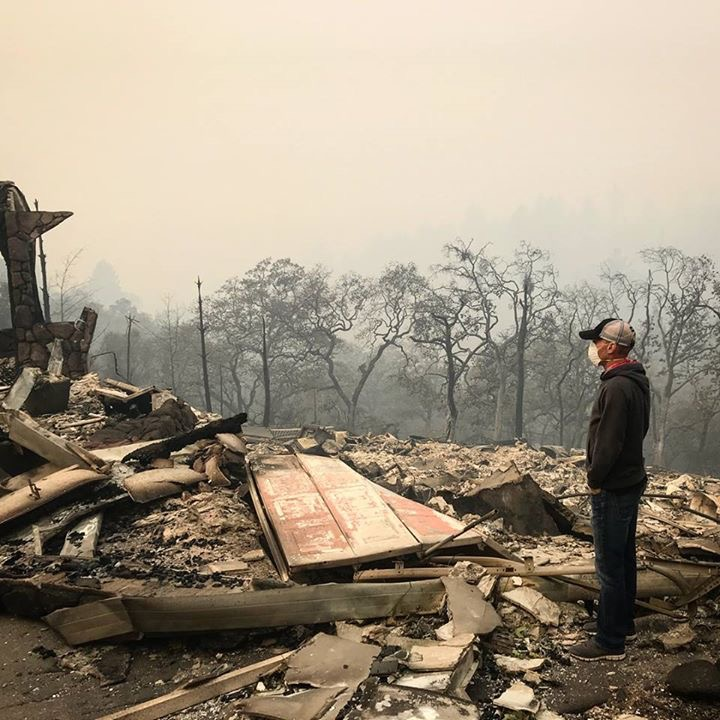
(610, 434)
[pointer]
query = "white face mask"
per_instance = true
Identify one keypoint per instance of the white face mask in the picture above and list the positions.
(593, 354)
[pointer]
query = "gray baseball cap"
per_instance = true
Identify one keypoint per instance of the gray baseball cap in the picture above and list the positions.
(613, 330)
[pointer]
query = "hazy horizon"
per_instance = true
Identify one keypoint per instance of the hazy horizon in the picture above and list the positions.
(190, 138)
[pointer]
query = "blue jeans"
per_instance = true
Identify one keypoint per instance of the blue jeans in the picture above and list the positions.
(614, 522)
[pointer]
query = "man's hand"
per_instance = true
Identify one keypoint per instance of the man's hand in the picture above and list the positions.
(594, 491)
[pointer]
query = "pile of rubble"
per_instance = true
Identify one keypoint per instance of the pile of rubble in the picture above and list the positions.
(363, 577)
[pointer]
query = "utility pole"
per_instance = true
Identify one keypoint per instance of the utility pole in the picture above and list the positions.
(203, 351)
(43, 271)
(130, 320)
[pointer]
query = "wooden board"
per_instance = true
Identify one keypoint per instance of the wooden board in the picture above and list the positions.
(325, 514)
(63, 453)
(275, 551)
(239, 610)
(304, 525)
(372, 529)
(197, 692)
(426, 524)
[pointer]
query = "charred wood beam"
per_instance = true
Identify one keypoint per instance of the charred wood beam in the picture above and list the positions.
(163, 448)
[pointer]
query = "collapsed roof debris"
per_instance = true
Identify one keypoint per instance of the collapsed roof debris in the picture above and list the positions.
(378, 576)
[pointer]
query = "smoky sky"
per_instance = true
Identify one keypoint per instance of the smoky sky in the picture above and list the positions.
(200, 137)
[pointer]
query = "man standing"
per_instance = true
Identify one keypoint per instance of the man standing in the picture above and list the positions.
(616, 477)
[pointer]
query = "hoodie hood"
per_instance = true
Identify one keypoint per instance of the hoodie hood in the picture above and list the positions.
(632, 370)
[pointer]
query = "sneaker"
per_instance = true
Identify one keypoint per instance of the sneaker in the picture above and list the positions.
(590, 651)
(590, 627)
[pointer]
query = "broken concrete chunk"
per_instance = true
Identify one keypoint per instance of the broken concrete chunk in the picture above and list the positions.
(533, 602)
(531, 677)
(518, 696)
(545, 714)
(435, 657)
(677, 637)
(468, 609)
(518, 665)
(153, 484)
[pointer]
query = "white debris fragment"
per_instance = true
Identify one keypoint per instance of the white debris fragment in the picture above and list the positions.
(518, 665)
(518, 696)
(533, 602)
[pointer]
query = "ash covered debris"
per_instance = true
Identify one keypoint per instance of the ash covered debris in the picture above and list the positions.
(308, 573)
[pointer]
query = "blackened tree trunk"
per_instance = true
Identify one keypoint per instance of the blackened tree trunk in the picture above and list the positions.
(203, 351)
(267, 410)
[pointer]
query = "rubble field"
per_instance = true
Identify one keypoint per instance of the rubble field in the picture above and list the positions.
(157, 561)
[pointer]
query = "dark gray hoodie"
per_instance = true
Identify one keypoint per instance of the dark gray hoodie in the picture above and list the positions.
(619, 421)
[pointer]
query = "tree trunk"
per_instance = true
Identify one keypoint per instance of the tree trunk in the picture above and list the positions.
(203, 351)
(521, 343)
(561, 417)
(267, 411)
(500, 404)
(452, 415)
(662, 422)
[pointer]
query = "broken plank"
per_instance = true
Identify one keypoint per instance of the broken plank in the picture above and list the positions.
(127, 387)
(184, 698)
(279, 559)
(81, 540)
(426, 524)
(82, 423)
(26, 432)
(107, 618)
(21, 388)
(52, 525)
(303, 605)
(399, 574)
